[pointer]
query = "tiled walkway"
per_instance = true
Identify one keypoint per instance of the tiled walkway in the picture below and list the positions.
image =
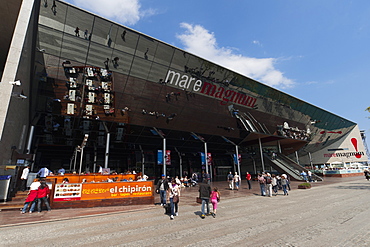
(188, 196)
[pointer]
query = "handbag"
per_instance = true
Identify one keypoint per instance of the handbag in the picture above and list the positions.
(198, 200)
(176, 199)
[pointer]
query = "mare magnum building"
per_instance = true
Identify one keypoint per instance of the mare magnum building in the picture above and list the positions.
(78, 89)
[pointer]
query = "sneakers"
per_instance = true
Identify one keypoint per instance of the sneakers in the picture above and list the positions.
(23, 212)
(30, 212)
(202, 216)
(176, 214)
(214, 215)
(162, 204)
(171, 217)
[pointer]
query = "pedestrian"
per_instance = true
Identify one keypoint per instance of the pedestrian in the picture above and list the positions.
(230, 179)
(367, 175)
(161, 189)
(309, 175)
(31, 197)
(77, 32)
(61, 171)
(268, 180)
(304, 175)
(43, 172)
(262, 183)
(284, 182)
(43, 193)
(236, 181)
(106, 64)
(173, 194)
(24, 178)
(274, 184)
(86, 33)
(248, 177)
(204, 194)
(215, 199)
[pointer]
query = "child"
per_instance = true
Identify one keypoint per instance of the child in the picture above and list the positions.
(215, 198)
(42, 195)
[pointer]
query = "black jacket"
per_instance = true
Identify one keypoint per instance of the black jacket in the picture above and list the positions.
(204, 190)
(164, 181)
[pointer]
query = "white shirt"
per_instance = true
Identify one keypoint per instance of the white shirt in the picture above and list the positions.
(35, 186)
(25, 173)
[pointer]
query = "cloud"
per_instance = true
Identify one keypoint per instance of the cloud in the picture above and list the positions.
(122, 11)
(196, 39)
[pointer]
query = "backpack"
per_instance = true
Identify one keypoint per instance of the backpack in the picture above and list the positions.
(268, 180)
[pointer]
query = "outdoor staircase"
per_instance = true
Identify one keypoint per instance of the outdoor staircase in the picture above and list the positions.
(16, 203)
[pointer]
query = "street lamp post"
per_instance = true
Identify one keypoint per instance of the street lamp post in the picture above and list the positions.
(236, 153)
(197, 137)
(83, 144)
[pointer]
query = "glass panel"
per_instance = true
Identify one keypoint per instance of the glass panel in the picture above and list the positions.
(157, 72)
(49, 40)
(179, 60)
(126, 40)
(146, 48)
(53, 17)
(163, 54)
(140, 68)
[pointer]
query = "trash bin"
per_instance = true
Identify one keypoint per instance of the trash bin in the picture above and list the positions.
(4, 187)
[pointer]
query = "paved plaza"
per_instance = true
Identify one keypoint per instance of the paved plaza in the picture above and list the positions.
(332, 213)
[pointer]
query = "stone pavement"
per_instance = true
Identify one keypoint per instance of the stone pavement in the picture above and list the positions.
(11, 218)
(331, 213)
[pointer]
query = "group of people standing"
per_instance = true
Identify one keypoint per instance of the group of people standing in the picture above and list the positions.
(272, 183)
(39, 193)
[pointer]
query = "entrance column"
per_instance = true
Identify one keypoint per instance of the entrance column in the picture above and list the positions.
(261, 152)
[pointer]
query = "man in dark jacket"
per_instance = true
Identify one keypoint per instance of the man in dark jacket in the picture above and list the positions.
(204, 194)
(162, 187)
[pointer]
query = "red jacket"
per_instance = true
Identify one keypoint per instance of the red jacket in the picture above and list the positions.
(43, 192)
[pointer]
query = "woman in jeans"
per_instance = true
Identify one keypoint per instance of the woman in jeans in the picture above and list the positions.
(173, 196)
(284, 183)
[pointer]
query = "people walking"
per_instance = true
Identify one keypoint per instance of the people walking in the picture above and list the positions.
(174, 198)
(284, 182)
(367, 175)
(248, 177)
(309, 175)
(204, 194)
(262, 183)
(230, 179)
(215, 198)
(268, 180)
(274, 184)
(162, 187)
(236, 181)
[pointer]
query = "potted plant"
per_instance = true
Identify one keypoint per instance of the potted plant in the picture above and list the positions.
(304, 186)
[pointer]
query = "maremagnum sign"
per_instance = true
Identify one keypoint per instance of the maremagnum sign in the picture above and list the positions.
(192, 84)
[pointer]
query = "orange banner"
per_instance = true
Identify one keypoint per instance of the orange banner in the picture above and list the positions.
(93, 191)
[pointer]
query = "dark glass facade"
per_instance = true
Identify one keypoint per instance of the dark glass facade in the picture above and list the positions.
(106, 78)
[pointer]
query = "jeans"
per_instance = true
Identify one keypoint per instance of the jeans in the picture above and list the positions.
(39, 202)
(285, 190)
(205, 201)
(231, 185)
(263, 189)
(269, 189)
(33, 205)
(249, 184)
(162, 194)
